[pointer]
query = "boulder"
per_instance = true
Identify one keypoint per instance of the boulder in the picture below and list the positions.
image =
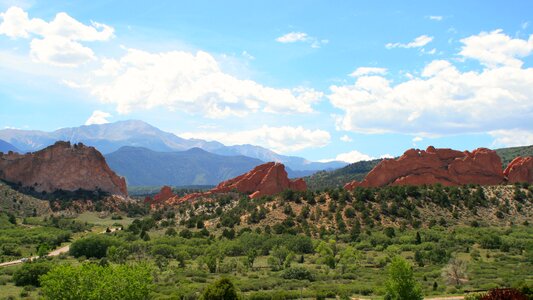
(445, 166)
(62, 166)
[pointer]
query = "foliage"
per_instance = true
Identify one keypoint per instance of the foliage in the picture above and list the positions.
(92, 246)
(30, 272)
(401, 284)
(222, 289)
(91, 281)
(297, 273)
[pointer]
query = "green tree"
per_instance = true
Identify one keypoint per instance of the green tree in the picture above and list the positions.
(326, 254)
(279, 257)
(401, 284)
(30, 272)
(222, 289)
(250, 257)
(118, 254)
(92, 246)
(91, 281)
(348, 258)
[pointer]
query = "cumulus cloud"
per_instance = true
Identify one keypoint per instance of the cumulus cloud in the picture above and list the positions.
(98, 117)
(346, 138)
(512, 137)
(494, 49)
(280, 139)
(293, 37)
(192, 82)
(350, 157)
(57, 42)
(362, 71)
(443, 99)
(418, 42)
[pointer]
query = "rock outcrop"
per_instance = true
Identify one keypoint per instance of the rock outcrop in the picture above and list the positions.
(62, 166)
(264, 180)
(446, 166)
(520, 170)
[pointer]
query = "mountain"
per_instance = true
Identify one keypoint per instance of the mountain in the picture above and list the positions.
(110, 137)
(145, 167)
(338, 178)
(6, 147)
(508, 154)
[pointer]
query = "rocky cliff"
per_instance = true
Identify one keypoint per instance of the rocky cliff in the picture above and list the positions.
(62, 166)
(446, 166)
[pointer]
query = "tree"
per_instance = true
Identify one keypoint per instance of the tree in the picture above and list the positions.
(348, 258)
(455, 272)
(327, 255)
(401, 284)
(250, 257)
(222, 289)
(118, 254)
(92, 246)
(91, 281)
(29, 273)
(279, 257)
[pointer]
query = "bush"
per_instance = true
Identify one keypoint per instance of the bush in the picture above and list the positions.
(30, 272)
(297, 273)
(92, 246)
(401, 283)
(91, 281)
(222, 289)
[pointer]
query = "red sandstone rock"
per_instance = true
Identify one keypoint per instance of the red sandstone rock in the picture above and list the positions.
(264, 180)
(520, 170)
(445, 166)
(62, 166)
(163, 195)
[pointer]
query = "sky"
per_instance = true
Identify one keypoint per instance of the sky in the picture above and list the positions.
(325, 80)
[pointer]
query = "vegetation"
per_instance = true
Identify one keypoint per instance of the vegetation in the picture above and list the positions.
(508, 154)
(338, 178)
(387, 242)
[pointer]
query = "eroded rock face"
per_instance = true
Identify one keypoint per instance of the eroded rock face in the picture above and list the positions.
(446, 166)
(62, 166)
(520, 170)
(264, 180)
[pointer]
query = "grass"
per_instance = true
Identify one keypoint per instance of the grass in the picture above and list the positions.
(102, 222)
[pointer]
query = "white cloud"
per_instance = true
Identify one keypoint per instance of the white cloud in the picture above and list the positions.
(386, 156)
(525, 25)
(420, 41)
(98, 117)
(436, 18)
(443, 100)
(280, 139)
(192, 82)
(346, 138)
(349, 157)
(56, 42)
(362, 71)
(293, 37)
(494, 49)
(512, 137)
(417, 139)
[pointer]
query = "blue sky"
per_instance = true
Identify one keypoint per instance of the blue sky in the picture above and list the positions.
(319, 79)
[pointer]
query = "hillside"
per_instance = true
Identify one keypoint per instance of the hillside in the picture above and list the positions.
(508, 154)
(6, 147)
(20, 204)
(338, 178)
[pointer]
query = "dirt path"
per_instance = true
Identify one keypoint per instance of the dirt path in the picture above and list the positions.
(55, 252)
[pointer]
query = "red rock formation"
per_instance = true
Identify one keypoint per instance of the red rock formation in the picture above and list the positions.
(163, 195)
(62, 166)
(264, 180)
(520, 170)
(445, 166)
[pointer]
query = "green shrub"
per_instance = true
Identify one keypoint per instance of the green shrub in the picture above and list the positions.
(30, 272)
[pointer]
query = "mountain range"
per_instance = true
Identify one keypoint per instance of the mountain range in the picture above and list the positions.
(6, 147)
(155, 145)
